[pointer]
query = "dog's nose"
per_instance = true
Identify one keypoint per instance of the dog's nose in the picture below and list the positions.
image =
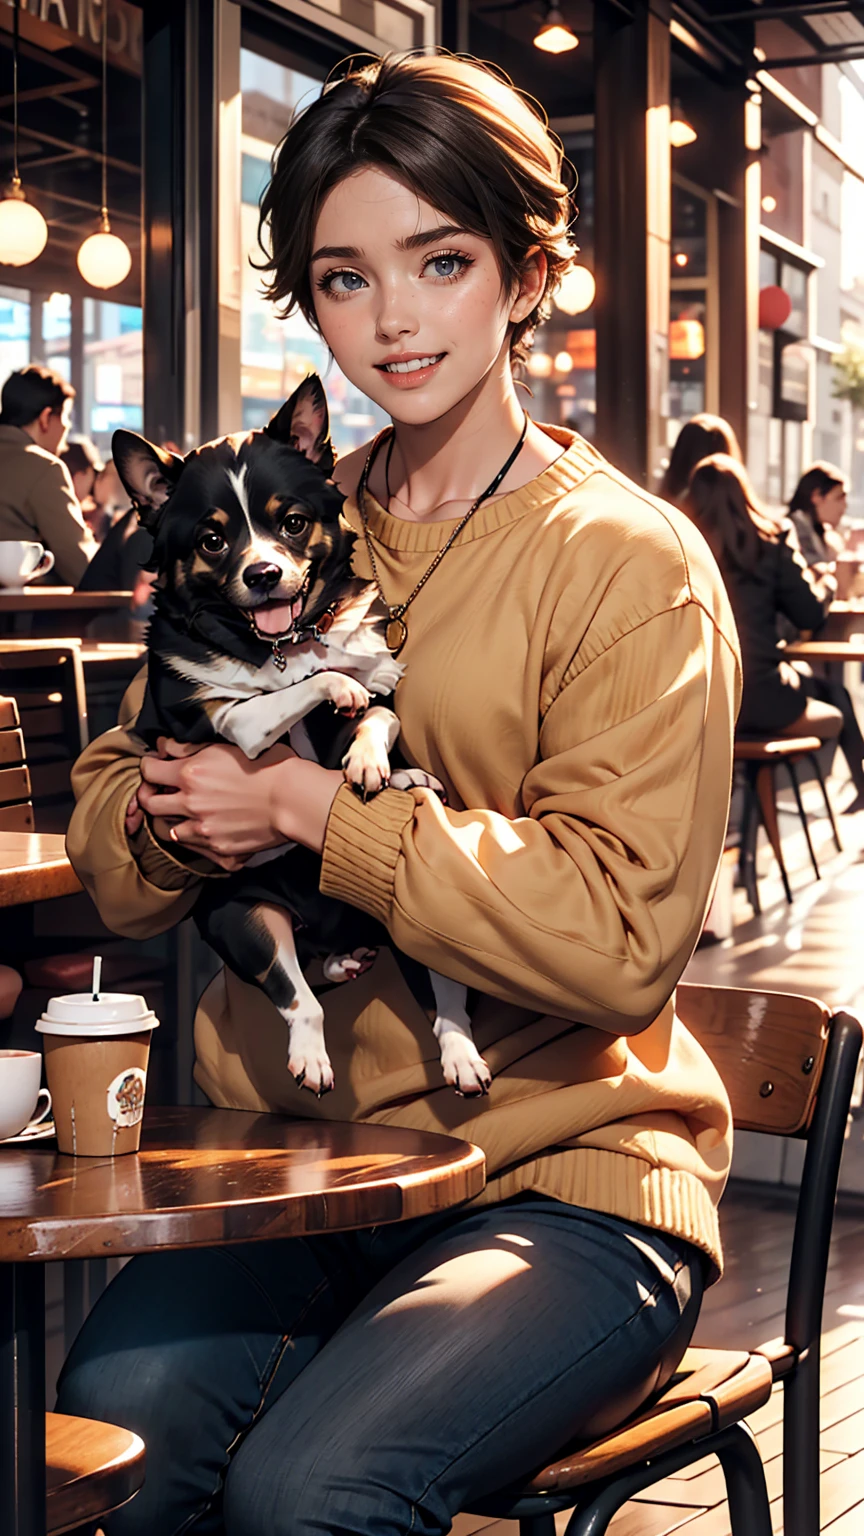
(262, 575)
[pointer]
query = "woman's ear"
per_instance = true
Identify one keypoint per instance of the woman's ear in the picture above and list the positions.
(532, 285)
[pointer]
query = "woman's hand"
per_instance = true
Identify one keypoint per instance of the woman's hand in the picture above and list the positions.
(213, 799)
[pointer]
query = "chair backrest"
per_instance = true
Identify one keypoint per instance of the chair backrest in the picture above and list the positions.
(46, 680)
(16, 810)
(789, 1066)
(769, 1048)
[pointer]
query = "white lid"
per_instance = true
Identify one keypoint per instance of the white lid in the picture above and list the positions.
(113, 1013)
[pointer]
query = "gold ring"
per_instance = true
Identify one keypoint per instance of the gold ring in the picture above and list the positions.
(172, 833)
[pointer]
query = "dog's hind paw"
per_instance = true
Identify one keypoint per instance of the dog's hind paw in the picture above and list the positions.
(463, 1066)
(308, 1061)
(340, 968)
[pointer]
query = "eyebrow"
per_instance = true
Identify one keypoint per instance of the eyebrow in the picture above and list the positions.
(411, 243)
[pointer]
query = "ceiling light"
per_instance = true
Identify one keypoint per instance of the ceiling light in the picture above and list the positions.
(539, 365)
(104, 260)
(555, 36)
(575, 292)
(680, 259)
(23, 231)
(680, 131)
(563, 362)
(769, 203)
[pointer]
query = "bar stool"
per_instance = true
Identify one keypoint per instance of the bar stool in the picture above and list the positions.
(761, 758)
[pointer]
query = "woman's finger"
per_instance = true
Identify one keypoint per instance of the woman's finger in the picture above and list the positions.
(162, 803)
(161, 770)
(166, 746)
(190, 835)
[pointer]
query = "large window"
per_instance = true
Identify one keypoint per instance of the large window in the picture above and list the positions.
(276, 354)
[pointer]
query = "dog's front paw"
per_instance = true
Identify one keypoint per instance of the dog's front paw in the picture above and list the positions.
(308, 1061)
(366, 765)
(417, 778)
(345, 693)
(464, 1067)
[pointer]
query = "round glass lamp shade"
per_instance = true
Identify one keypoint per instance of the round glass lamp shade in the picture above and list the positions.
(104, 260)
(576, 291)
(23, 231)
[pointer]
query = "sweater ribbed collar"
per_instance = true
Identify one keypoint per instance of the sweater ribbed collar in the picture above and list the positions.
(569, 470)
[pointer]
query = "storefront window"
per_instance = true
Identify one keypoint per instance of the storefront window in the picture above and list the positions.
(277, 354)
(113, 370)
(687, 321)
(14, 330)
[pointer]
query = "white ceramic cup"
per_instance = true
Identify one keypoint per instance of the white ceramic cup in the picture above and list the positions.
(21, 561)
(20, 1076)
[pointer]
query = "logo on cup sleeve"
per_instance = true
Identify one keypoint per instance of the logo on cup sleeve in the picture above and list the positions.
(126, 1096)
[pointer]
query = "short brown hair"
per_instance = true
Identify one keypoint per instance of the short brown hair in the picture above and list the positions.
(454, 131)
(31, 390)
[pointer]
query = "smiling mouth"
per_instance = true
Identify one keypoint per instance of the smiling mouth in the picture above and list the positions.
(412, 364)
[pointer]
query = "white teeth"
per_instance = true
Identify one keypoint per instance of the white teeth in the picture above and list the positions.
(414, 366)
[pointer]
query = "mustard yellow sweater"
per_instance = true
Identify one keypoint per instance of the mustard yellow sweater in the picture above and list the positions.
(572, 676)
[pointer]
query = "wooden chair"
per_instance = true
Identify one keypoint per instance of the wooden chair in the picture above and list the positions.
(91, 1470)
(46, 680)
(761, 758)
(16, 810)
(789, 1068)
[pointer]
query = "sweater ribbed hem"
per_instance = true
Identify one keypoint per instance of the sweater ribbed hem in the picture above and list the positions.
(617, 1184)
(361, 849)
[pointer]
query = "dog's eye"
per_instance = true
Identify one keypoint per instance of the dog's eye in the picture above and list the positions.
(295, 524)
(211, 543)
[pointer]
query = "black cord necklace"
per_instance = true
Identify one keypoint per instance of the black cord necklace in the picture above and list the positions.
(397, 630)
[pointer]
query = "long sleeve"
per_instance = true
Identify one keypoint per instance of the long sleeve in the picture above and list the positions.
(55, 510)
(138, 888)
(800, 594)
(589, 905)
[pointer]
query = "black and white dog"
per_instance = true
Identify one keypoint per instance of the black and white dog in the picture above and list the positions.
(260, 633)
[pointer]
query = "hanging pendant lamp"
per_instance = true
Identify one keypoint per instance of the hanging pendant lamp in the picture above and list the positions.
(23, 231)
(104, 260)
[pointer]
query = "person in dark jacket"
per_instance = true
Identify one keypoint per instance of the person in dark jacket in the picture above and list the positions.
(766, 576)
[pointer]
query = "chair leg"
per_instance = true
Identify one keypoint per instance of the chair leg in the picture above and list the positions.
(766, 790)
(537, 1525)
(793, 774)
(746, 1491)
(801, 1511)
(749, 837)
(817, 769)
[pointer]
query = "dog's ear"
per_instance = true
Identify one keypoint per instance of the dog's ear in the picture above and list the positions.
(148, 473)
(303, 422)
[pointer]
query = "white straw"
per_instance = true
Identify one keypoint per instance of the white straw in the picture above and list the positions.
(97, 976)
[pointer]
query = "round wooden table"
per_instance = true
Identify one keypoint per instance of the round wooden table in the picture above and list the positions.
(202, 1177)
(34, 867)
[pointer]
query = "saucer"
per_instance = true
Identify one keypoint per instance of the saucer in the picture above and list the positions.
(43, 1131)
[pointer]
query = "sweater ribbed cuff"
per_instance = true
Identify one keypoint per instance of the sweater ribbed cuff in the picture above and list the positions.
(362, 847)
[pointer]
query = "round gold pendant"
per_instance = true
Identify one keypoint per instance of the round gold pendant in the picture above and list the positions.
(395, 635)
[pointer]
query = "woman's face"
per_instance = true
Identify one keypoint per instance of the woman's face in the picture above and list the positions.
(412, 308)
(830, 506)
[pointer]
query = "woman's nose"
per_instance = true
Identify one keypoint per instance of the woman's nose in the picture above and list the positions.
(396, 314)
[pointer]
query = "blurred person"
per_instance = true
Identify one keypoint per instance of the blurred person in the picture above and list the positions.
(700, 436)
(83, 461)
(37, 497)
(766, 576)
(109, 492)
(817, 508)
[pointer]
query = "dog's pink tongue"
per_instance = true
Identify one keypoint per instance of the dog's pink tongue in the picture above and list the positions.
(273, 618)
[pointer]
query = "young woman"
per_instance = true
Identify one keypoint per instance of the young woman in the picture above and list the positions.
(766, 578)
(571, 674)
(816, 509)
(700, 436)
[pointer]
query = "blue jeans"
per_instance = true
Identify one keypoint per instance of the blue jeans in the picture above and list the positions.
(375, 1382)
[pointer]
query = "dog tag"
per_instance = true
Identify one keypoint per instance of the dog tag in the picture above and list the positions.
(396, 634)
(280, 661)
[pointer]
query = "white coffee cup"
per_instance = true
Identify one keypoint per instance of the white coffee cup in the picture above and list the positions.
(20, 1076)
(21, 561)
(97, 1046)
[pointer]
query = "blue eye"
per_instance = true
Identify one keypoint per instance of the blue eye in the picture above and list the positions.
(344, 282)
(446, 266)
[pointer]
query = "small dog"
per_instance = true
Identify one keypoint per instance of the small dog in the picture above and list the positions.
(260, 633)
